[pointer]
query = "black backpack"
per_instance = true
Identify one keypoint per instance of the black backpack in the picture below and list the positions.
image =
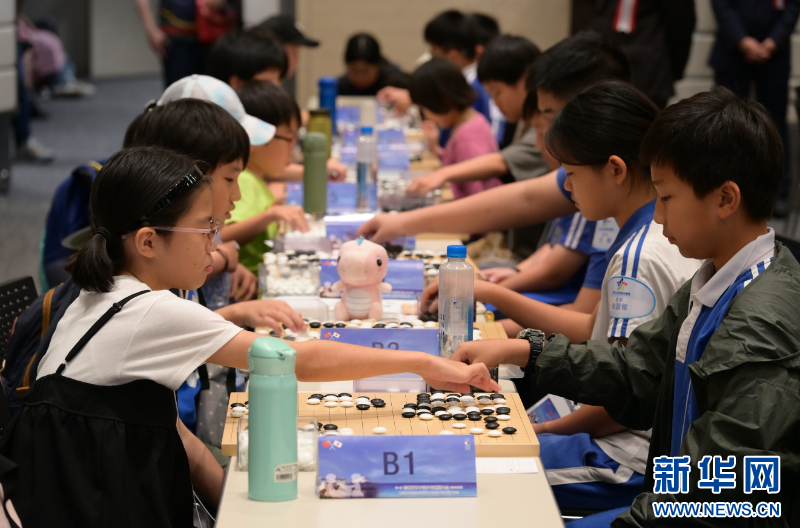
(31, 338)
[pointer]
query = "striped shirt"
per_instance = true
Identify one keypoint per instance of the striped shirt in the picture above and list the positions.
(711, 295)
(644, 272)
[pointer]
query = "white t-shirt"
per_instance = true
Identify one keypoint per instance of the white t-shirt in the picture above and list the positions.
(641, 278)
(156, 336)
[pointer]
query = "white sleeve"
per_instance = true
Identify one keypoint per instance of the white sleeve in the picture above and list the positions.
(173, 338)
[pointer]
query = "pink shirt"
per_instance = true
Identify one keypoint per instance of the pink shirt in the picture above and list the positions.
(472, 139)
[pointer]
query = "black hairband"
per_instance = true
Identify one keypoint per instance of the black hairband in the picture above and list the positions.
(103, 232)
(177, 190)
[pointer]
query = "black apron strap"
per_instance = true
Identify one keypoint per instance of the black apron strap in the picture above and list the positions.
(116, 307)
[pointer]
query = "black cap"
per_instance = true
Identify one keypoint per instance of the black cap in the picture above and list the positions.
(287, 31)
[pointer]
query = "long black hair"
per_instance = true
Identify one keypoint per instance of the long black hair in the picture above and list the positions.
(607, 119)
(439, 86)
(128, 193)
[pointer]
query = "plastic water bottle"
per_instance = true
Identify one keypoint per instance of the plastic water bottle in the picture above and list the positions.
(272, 473)
(366, 171)
(456, 286)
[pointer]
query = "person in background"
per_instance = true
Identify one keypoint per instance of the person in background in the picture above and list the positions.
(240, 55)
(175, 38)
(367, 70)
(753, 46)
(487, 29)
(504, 71)
(445, 98)
(256, 216)
(656, 37)
(291, 36)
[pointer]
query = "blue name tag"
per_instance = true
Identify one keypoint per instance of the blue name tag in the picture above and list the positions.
(419, 339)
(406, 277)
(371, 467)
(341, 196)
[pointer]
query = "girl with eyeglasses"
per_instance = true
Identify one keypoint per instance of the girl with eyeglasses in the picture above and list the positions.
(98, 442)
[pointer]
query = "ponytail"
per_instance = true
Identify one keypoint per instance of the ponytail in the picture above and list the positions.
(91, 267)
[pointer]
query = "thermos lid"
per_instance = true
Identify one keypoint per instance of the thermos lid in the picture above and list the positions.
(327, 81)
(456, 251)
(270, 356)
(366, 130)
(320, 111)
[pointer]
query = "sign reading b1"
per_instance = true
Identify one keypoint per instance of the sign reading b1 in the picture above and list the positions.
(367, 467)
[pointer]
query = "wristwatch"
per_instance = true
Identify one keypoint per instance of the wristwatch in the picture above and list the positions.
(536, 340)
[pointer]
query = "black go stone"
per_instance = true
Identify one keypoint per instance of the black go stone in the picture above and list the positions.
(315, 324)
(406, 325)
(409, 414)
(237, 404)
(474, 417)
(327, 325)
(453, 400)
(492, 425)
(379, 405)
(438, 408)
(460, 416)
(496, 396)
(410, 406)
(509, 430)
(379, 325)
(490, 419)
(376, 400)
(362, 406)
(317, 396)
(340, 325)
(330, 427)
(487, 411)
(345, 394)
(423, 410)
(424, 405)
(444, 417)
(503, 410)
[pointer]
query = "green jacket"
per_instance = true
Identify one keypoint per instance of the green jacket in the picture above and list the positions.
(746, 384)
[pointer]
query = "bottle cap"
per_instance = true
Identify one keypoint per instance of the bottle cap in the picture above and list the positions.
(456, 251)
(366, 130)
(327, 81)
(269, 356)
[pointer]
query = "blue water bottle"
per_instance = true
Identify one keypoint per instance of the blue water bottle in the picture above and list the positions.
(328, 90)
(272, 472)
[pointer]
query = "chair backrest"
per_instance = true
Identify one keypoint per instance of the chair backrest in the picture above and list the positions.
(15, 296)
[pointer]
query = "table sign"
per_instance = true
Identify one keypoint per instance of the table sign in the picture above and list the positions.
(396, 466)
(341, 196)
(419, 339)
(407, 277)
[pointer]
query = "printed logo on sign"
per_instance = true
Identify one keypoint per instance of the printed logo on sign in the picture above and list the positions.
(629, 298)
(762, 473)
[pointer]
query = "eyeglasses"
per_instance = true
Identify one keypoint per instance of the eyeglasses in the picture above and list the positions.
(291, 140)
(212, 233)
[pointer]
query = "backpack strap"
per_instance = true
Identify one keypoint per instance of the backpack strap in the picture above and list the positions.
(46, 304)
(116, 307)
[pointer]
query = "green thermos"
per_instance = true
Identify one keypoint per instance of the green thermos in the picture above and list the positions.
(272, 473)
(315, 174)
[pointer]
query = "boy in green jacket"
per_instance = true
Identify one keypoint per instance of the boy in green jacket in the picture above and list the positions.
(717, 375)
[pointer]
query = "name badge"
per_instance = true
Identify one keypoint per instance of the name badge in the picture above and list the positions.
(629, 298)
(371, 467)
(605, 232)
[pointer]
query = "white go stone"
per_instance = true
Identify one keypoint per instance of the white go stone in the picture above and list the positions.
(346, 431)
(313, 401)
(437, 413)
(499, 400)
(459, 425)
(495, 432)
(426, 416)
(476, 430)
(431, 324)
(445, 432)
(472, 408)
(437, 395)
(331, 404)
(347, 404)
(379, 430)
(331, 397)
(345, 398)
(503, 417)
(453, 410)
(237, 414)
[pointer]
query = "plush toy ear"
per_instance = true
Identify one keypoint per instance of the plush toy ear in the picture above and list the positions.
(360, 240)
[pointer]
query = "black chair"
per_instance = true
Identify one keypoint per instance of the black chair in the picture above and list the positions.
(15, 296)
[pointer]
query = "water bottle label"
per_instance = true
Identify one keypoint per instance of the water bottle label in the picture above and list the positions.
(286, 472)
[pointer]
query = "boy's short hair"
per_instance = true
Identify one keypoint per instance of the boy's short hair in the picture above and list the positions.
(439, 86)
(245, 54)
(507, 59)
(577, 62)
(269, 102)
(451, 31)
(195, 128)
(714, 137)
(484, 26)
